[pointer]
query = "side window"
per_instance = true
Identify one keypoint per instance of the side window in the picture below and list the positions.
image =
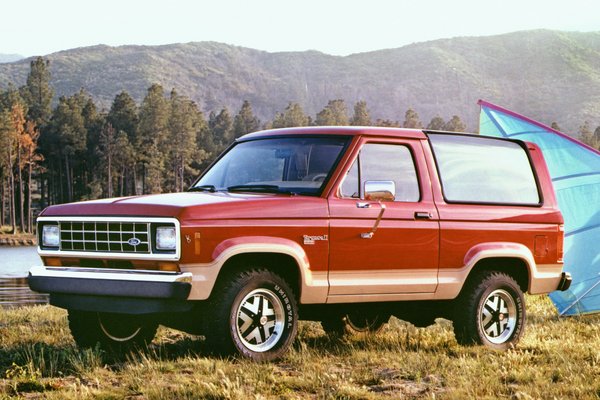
(383, 162)
(475, 169)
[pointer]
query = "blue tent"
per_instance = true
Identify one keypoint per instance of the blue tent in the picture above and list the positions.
(575, 171)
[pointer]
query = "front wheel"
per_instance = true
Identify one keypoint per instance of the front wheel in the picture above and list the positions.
(254, 314)
(490, 311)
(112, 331)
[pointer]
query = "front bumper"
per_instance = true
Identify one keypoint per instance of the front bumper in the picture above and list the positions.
(110, 290)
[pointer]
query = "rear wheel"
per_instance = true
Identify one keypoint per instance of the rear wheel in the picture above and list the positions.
(254, 314)
(354, 322)
(490, 311)
(111, 331)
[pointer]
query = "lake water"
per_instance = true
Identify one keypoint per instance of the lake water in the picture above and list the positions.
(15, 263)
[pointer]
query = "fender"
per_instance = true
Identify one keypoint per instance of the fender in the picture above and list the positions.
(500, 250)
(313, 286)
(542, 278)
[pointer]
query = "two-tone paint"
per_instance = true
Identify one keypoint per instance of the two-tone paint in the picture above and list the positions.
(422, 250)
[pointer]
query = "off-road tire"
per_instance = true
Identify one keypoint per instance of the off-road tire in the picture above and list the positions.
(490, 311)
(254, 314)
(352, 323)
(114, 332)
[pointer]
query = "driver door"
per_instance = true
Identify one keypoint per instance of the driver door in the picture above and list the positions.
(401, 256)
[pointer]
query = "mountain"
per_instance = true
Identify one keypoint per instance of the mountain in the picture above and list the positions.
(7, 58)
(547, 75)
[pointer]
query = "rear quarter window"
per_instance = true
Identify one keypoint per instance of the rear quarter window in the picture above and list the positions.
(475, 169)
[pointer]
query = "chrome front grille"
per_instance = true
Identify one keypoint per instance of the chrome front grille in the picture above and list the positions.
(105, 236)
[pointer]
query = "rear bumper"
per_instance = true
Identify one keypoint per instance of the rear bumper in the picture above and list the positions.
(565, 282)
(103, 290)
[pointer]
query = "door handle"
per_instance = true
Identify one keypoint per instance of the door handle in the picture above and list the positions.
(362, 204)
(423, 215)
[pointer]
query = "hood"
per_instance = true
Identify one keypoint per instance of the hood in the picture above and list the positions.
(197, 205)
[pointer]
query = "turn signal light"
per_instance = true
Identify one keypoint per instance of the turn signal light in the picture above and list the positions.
(52, 262)
(167, 266)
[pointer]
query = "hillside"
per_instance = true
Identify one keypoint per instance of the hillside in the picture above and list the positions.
(6, 58)
(547, 75)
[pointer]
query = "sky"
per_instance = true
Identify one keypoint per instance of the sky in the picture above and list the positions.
(338, 27)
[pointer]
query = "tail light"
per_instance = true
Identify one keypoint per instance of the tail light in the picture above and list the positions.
(560, 243)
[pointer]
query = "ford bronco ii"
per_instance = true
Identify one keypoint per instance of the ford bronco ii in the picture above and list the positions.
(345, 225)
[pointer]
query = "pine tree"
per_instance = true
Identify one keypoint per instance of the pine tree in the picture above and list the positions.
(292, 116)
(585, 132)
(8, 152)
(587, 136)
(437, 123)
(106, 149)
(88, 167)
(245, 121)
(4, 163)
(361, 116)
(455, 125)
(411, 120)
(182, 137)
(221, 127)
(123, 116)
(70, 133)
(387, 123)
(597, 137)
(13, 123)
(18, 122)
(334, 114)
(37, 93)
(32, 158)
(151, 135)
(124, 161)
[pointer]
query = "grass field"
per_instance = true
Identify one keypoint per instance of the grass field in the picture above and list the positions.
(557, 358)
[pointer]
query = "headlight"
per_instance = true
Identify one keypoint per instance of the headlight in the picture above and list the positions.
(166, 238)
(50, 236)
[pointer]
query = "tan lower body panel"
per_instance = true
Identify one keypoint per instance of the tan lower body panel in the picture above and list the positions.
(381, 282)
(377, 285)
(313, 289)
(544, 278)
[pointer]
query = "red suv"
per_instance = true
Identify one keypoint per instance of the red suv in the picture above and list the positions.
(344, 225)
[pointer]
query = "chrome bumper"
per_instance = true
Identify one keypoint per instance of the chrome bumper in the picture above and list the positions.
(112, 290)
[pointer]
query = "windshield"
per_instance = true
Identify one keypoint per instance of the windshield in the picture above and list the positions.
(277, 165)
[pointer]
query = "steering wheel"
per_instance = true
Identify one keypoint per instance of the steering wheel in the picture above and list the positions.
(319, 177)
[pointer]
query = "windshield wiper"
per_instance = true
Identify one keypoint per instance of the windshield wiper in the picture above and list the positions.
(257, 188)
(203, 188)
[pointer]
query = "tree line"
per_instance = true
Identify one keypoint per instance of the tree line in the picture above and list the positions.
(53, 153)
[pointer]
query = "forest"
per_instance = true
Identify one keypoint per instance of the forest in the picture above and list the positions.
(68, 150)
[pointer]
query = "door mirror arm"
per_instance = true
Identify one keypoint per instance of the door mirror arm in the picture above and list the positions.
(371, 233)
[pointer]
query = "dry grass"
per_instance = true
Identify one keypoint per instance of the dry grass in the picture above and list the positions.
(557, 358)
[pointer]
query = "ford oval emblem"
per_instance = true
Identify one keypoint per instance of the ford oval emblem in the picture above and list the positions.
(134, 241)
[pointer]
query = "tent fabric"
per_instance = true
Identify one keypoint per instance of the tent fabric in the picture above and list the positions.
(575, 171)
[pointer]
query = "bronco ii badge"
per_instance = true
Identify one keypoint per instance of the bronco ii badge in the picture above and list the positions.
(312, 239)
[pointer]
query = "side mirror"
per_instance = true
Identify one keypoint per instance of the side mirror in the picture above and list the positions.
(380, 190)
